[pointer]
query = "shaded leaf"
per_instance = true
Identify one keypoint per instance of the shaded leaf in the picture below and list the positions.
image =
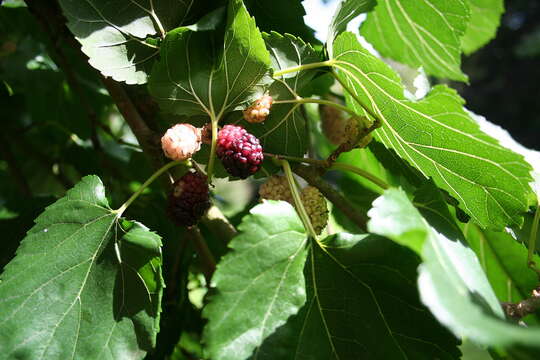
(65, 282)
(451, 281)
(259, 284)
(282, 16)
(420, 33)
(483, 23)
(195, 78)
(438, 137)
(362, 302)
(284, 131)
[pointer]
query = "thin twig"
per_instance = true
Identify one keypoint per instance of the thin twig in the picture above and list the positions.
(148, 140)
(205, 255)
(218, 224)
(523, 308)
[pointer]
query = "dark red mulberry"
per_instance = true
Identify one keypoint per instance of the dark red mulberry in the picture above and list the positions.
(189, 199)
(239, 151)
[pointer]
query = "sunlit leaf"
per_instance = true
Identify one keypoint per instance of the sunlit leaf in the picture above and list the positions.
(438, 137)
(483, 24)
(259, 284)
(346, 11)
(420, 33)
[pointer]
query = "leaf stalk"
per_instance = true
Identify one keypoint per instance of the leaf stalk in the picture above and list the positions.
(303, 67)
(212, 159)
(298, 200)
(147, 183)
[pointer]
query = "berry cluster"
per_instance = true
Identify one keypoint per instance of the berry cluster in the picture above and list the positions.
(316, 208)
(239, 151)
(189, 199)
(259, 111)
(333, 124)
(277, 188)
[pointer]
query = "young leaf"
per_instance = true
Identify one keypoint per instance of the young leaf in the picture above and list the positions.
(451, 281)
(437, 137)
(284, 131)
(347, 10)
(113, 33)
(66, 282)
(259, 284)
(420, 33)
(483, 24)
(362, 302)
(194, 78)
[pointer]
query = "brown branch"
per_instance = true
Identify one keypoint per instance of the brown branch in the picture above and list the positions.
(523, 308)
(312, 176)
(218, 224)
(205, 255)
(148, 139)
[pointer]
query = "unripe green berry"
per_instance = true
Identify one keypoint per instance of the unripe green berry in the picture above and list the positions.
(316, 208)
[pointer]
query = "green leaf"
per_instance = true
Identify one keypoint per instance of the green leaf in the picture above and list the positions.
(259, 284)
(362, 303)
(451, 281)
(66, 296)
(420, 33)
(190, 80)
(284, 131)
(483, 24)
(438, 137)
(347, 10)
(113, 33)
(504, 261)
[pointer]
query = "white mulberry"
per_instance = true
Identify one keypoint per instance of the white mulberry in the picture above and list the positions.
(259, 110)
(181, 141)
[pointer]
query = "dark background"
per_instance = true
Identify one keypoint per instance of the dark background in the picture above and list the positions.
(505, 74)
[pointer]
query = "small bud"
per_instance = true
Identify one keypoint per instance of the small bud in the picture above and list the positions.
(181, 141)
(259, 110)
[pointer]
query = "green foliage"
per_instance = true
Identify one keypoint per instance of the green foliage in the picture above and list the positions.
(346, 11)
(86, 269)
(361, 300)
(187, 81)
(483, 24)
(437, 137)
(451, 281)
(420, 33)
(432, 225)
(259, 284)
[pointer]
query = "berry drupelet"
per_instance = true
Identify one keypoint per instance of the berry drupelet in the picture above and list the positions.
(239, 151)
(189, 199)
